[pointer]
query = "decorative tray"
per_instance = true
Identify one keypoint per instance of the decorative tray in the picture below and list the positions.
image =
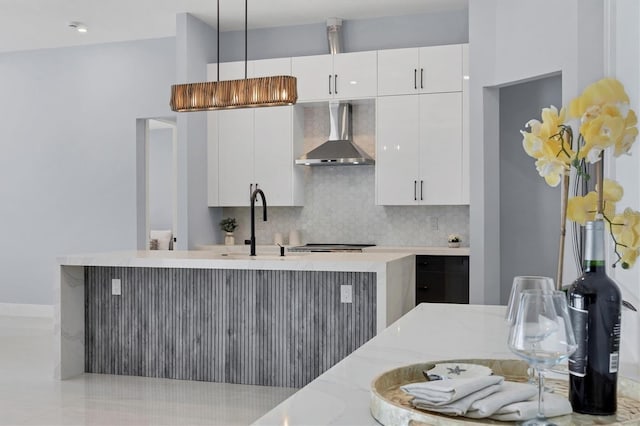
(391, 406)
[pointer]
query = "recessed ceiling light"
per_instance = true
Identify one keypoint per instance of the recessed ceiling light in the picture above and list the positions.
(78, 26)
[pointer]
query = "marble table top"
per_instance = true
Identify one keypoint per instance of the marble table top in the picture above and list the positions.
(430, 332)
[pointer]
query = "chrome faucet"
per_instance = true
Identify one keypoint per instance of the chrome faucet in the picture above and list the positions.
(254, 195)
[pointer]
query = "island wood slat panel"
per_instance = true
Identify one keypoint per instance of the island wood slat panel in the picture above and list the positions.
(274, 328)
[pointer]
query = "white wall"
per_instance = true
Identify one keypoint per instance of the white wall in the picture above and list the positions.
(511, 42)
(160, 178)
(624, 63)
(68, 163)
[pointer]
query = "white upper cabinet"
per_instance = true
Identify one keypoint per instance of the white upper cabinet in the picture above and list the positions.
(419, 149)
(465, 126)
(269, 67)
(341, 76)
(254, 147)
(398, 150)
(420, 70)
(235, 162)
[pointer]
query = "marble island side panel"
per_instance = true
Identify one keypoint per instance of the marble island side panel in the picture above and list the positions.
(394, 282)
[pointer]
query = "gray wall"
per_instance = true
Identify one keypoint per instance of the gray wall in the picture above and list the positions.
(529, 208)
(195, 48)
(68, 163)
(160, 179)
(358, 35)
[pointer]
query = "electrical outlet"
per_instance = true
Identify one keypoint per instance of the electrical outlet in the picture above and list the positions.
(116, 287)
(346, 294)
(434, 223)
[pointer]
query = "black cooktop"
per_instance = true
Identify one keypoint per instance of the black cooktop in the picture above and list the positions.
(330, 247)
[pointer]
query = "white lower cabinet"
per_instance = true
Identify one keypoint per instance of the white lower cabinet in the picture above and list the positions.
(419, 150)
(256, 148)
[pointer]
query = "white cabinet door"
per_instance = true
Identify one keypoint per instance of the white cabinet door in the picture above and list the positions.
(440, 69)
(355, 75)
(465, 125)
(235, 141)
(441, 148)
(398, 71)
(432, 69)
(270, 67)
(213, 198)
(273, 151)
(233, 70)
(315, 77)
(397, 150)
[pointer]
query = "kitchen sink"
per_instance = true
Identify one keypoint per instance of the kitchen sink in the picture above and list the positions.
(243, 256)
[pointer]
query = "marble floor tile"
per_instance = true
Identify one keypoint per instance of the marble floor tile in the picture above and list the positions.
(30, 396)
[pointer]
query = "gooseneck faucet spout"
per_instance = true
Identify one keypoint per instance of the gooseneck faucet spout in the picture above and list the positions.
(254, 195)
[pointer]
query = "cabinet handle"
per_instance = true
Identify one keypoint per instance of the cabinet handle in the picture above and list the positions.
(415, 184)
(415, 78)
(335, 84)
(421, 185)
(422, 78)
(329, 83)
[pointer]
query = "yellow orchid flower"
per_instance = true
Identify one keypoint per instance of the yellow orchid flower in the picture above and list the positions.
(628, 257)
(600, 132)
(626, 228)
(623, 145)
(626, 231)
(551, 170)
(582, 209)
(605, 91)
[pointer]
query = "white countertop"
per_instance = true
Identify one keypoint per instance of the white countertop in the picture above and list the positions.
(202, 259)
(430, 332)
(420, 250)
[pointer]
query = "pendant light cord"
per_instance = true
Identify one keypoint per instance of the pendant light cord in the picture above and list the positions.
(245, 38)
(218, 39)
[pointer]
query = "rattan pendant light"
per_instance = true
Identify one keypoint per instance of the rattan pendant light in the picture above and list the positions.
(247, 93)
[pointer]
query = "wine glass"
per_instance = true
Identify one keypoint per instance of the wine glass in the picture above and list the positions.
(542, 334)
(520, 284)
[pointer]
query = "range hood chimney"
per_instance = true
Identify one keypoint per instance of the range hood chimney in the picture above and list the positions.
(339, 150)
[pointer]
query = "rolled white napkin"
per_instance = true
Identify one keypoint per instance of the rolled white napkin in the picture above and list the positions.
(442, 392)
(459, 407)
(508, 393)
(554, 405)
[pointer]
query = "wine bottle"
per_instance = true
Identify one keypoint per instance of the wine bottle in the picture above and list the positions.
(595, 310)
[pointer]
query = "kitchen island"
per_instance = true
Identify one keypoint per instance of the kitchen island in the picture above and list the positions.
(430, 332)
(197, 315)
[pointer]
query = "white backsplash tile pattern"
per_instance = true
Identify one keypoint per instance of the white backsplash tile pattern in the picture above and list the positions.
(340, 200)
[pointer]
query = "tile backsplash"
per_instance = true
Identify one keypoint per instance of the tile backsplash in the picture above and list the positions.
(339, 208)
(340, 201)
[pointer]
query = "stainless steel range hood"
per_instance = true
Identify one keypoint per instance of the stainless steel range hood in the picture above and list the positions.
(339, 150)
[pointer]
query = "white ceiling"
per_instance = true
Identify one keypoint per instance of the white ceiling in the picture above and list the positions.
(36, 24)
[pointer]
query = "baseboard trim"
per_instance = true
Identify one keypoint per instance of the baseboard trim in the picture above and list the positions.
(26, 310)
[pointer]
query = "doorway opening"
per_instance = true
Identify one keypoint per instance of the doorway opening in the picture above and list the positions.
(529, 209)
(157, 187)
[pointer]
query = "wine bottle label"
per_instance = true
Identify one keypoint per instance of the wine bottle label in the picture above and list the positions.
(615, 347)
(579, 320)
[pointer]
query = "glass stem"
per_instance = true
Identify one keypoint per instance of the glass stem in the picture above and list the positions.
(540, 394)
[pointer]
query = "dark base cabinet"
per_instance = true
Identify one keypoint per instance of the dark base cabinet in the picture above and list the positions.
(442, 279)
